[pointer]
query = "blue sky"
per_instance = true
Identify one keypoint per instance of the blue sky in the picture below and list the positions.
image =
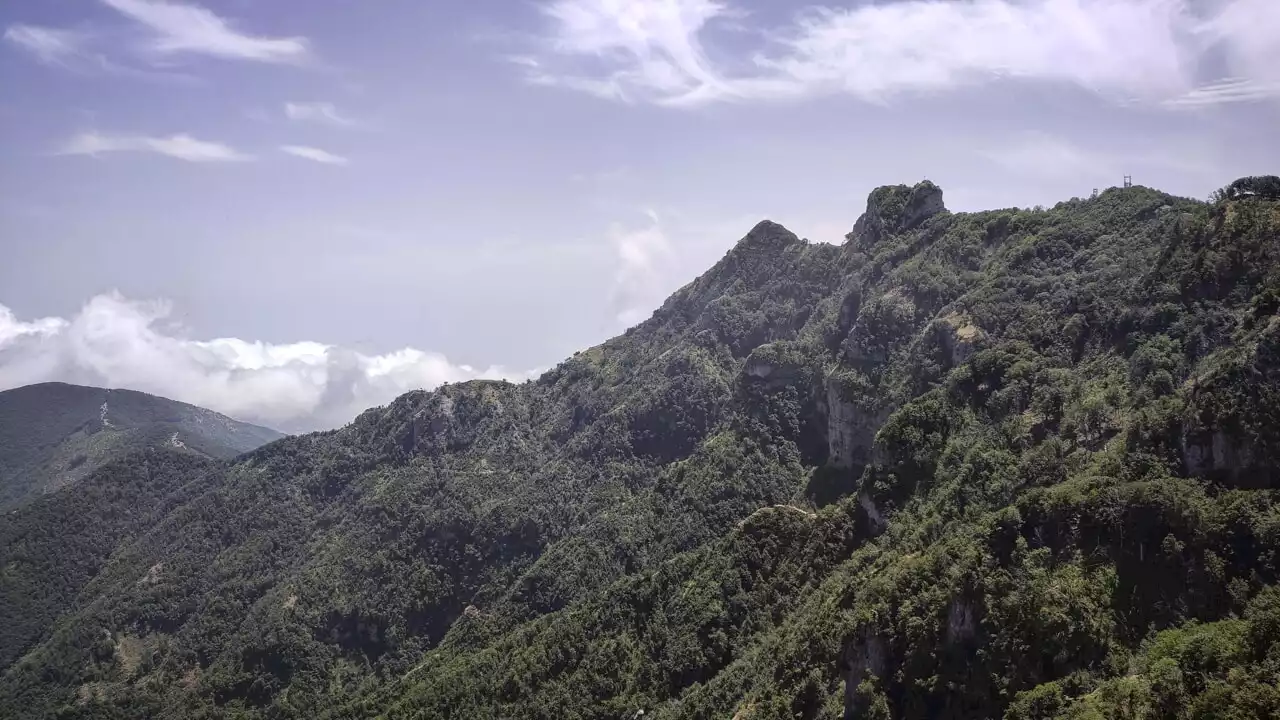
(292, 210)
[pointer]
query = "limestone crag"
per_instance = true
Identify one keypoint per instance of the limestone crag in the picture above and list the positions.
(896, 208)
(851, 424)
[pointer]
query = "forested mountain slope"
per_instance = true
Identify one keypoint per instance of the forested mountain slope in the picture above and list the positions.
(53, 434)
(1017, 463)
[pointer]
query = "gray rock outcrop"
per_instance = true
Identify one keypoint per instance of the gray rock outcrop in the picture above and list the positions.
(897, 208)
(851, 425)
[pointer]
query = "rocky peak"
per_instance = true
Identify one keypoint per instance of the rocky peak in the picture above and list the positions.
(753, 261)
(768, 234)
(897, 208)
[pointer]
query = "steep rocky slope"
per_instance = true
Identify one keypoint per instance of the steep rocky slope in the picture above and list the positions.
(1020, 462)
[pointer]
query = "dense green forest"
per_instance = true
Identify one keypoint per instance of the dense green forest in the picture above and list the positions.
(1020, 463)
(53, 434)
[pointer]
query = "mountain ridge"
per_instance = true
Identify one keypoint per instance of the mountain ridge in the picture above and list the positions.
(1032, 451)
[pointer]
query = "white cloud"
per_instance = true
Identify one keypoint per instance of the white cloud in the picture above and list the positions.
(180, 28)
(319, 112)
(1125, 48)
(180, 146)
(645, 259)
(117, 342)
(49, 45)
(314, 154)
(1228, 90)
(670, 248)
(656, 50)
(1248, 33)
(652, 47)
(80, 52)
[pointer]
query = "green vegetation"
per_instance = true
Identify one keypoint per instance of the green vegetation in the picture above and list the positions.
(53, 434)
(1266, 186)
(52, 549)
(1019, 463)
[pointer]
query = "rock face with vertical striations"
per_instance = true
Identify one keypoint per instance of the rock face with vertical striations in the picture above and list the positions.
(853, 418)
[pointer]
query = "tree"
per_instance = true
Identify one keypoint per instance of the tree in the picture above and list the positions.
(1266, 187)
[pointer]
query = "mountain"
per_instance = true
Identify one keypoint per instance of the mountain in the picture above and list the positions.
(53, 434)
(1018, 463)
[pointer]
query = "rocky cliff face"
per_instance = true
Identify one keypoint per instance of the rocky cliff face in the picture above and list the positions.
(1230, 431)
(852, 421)
(874, 326)
(895, 209)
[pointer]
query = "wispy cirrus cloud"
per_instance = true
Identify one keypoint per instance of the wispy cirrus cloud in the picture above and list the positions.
(657, 50)
(325, 113)
(314, 154)
(653, 49)
(50, 46)
(177, 28)
(1224, 92)
(171, 29)
(118, 342)
(81, 52)
(180, 146)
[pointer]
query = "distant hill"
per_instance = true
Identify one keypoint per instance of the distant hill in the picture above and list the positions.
(53, 434)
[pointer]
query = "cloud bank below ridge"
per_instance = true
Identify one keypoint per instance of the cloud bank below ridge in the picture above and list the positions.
(118, 342)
